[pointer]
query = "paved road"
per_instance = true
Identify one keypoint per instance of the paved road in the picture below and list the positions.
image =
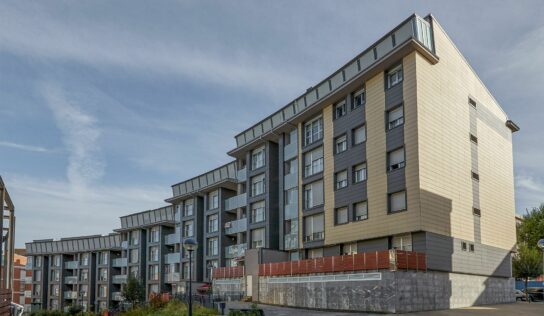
(515, 309)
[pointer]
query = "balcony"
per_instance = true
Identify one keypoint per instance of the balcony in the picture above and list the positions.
(291, 211)
(241, 175)
(172, 277)
(314, 236)
(237, 226)
(70, 279)
(172, 258)
(236, 202)
(124, 244)
(290, 180)
(173, 239)
(117, 296)
(290, 241)
(70, 295)
(235, 251)
(119, 262)
(290, 151)
(71, 265)
(118, 279)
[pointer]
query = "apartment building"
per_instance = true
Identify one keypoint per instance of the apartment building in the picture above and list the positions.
(403, 148)
(22, 280)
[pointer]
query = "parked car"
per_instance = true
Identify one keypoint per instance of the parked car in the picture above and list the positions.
(520, 295)
(536, 293)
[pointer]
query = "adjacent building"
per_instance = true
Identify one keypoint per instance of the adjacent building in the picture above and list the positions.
(403, 148)
(22, 280)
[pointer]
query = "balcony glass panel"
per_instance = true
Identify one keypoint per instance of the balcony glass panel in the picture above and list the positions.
(236, 202)
(236, 226)
(290, 241)
(235, 251)
(172, 258)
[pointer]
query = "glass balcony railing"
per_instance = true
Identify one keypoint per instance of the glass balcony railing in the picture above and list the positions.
(173, 239)
(119, 262)
(290, 151)
(118, 279)
(290, 180)
(71, 265)
(291, 211)
(172, 258)
(241, 175)
(290, 241)
(124, 244)
(172, 277)
(236, 226)
(70, 279)
(71, 295)
(235, 251)
(117, 296)
(236, 202)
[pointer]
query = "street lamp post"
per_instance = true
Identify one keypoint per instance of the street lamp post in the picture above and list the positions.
(190, 245)
(540, 245)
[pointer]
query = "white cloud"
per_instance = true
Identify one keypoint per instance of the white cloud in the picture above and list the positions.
(80, 135)
(32, 148)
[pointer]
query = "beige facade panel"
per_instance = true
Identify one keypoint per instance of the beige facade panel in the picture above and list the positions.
(328, 168)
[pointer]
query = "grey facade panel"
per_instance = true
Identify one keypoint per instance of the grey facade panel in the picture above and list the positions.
(393, 97)
(396, 180)
(377, 244)
(395, 138)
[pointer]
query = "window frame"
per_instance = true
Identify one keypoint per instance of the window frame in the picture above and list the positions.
(345, 142)
(354, 172)
(389, 202)
(336, 212)
(400, 165)
(342, 105)
(353, 132)
(345, 181)
(310, 140)
(394, 70)
(400, 120)
(321, 161)
(354, 97)
(355, 217)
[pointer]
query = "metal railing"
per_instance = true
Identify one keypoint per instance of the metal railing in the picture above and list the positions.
(237, 226)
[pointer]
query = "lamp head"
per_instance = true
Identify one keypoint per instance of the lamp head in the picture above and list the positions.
(540, 244)
(190, 244)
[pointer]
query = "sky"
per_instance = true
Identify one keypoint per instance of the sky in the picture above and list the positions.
(105, 104)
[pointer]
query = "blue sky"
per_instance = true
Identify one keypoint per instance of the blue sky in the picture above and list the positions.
(105, 104)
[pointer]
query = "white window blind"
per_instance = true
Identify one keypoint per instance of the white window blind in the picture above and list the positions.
(359, 135)
(398, 201)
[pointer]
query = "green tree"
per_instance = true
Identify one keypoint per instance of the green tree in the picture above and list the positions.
(134, 291)
(527, 264)
(531, 230)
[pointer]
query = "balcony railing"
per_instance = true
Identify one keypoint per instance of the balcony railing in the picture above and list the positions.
(290, 151)
(172, 277)
(70, 279)
(236, 202)
(172, 258)
(241, 175)
(118, 279)
(124, 244)
(71, 295)
(228, 272)
(290, 180)
(290, 241)
(291, 211)
(173, 239)
(236, 226)
(119, 262)
(117, 296)
(71, 265)
(314, 236)
(235, 251)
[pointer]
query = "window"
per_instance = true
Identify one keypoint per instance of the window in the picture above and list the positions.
(188, 208)
(258, 212)
(38, 276)
(397, 201)
(359, 135)
(213, 223)
(359, 98)
(37, 289)
(134, 271)
(56, 261)
(394, 76)
(402, 242)
(257, 238)
(315, 253)
(313, 162)
(213, 247)
(213, 200)
(290, 167)
(341, 179)
(188, 229)
(37, 262)
(84, 275)
(340, 109)
(291, 196)
(349, 249)
(154, 235)
(210, 265)
(102, 291)
(83, 290)
(395, 159)
(473, 139)
(103, 274)
(472, 102)
(341, 144)
(313, 194)
(359, 173)
(360, 211)
(257, 158)
(463, 246)
(341, 215)
(154, 254)
(475, 176)
(85, 259)
(314, 228)
(257, 185)
(186, 274)
(103, 258)
(313, 131)
(154, 272)
(55, 290)
(133, 255)
(471, 247)
(395, 117)
(134, 237)
(476, 211)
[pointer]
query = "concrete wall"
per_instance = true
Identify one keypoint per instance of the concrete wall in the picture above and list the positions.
(396, 292)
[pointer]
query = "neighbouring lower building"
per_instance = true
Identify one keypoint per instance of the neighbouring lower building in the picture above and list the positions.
(22, 280)
(400, 160)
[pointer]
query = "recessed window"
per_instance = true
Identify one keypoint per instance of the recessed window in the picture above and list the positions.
(360, 211)
(395, 117)
(402, 242)
(257, 185)
(471, 247)
(340, 109)
(472, 102)
(290, 167)
(463, 246)
(257, 158)
(359, 135)
(313, 194)
(213, 200)
(213, 223)
(359, 98)
(475, 176)
(473, 139)
(314, 227)
(257, 238)
(212, 246)
(476, 211)
(394, 76)
(397, 201)
(341, 179)
(395, 159)
(359, 173)
(341, 216)
(313, 162)
(341, 144)
(313, 131)
(258, 212)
